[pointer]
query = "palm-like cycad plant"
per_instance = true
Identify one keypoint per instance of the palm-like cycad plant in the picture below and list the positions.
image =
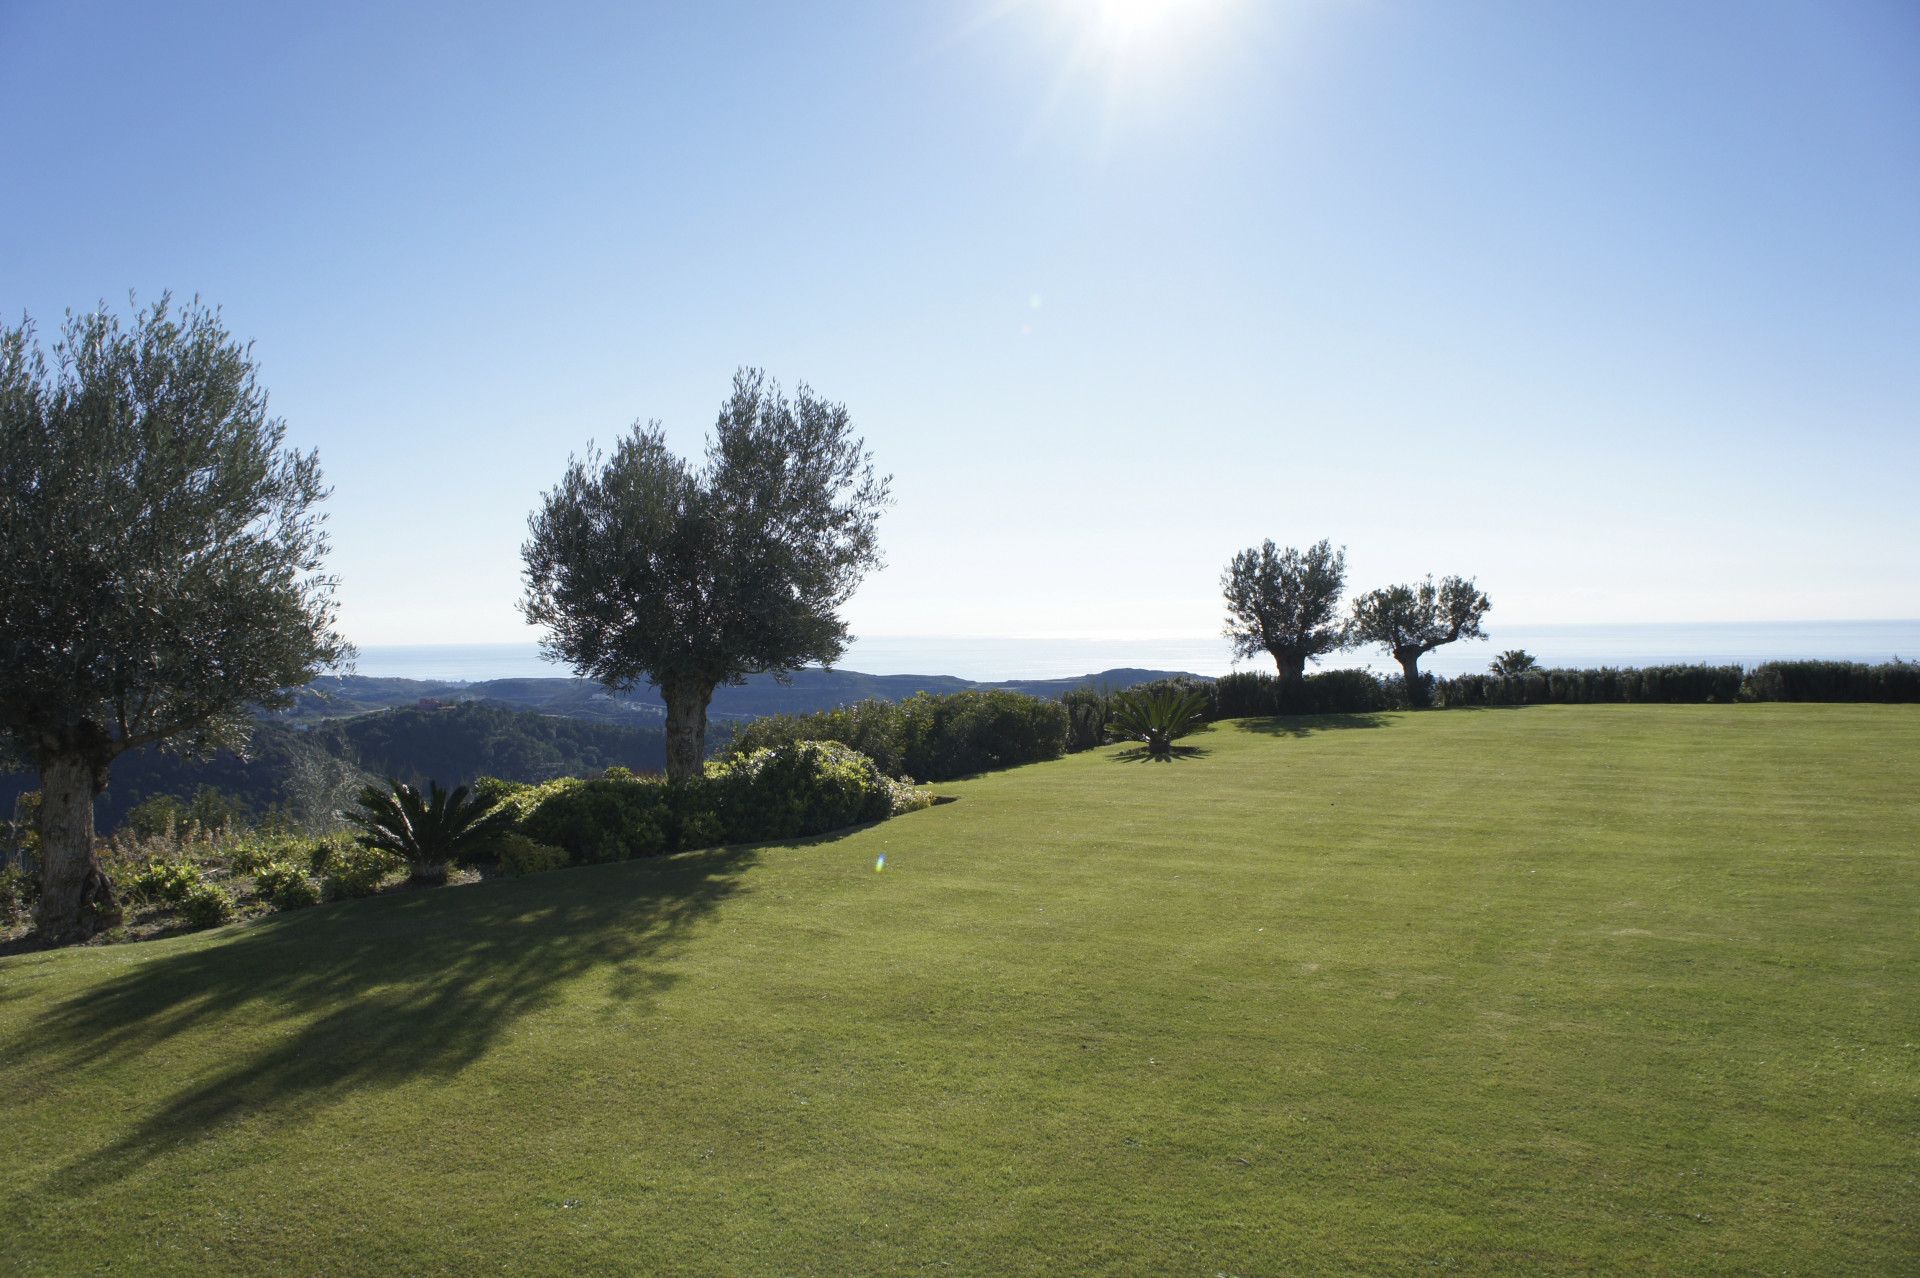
(1157, 719)
(429, 830)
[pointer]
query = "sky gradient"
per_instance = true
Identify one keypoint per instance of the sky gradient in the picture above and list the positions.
(1613, 307)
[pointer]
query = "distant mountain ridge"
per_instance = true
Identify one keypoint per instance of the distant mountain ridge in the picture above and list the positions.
(814, 688)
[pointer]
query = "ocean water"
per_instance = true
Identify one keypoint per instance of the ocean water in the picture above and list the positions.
(993, 658)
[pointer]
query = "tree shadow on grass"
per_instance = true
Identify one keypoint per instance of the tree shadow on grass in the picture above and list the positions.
(1305, 725)
(1178, 754)
(375, 992)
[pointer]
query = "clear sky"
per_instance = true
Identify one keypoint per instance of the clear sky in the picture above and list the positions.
(1613, 306)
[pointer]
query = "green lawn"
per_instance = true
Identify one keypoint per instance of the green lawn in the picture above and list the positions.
(1613, 989)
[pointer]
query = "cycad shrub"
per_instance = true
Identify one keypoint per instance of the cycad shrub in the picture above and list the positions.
(1157, 718)
(429, 831)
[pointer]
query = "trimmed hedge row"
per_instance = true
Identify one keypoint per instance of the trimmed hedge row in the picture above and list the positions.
(934, 737)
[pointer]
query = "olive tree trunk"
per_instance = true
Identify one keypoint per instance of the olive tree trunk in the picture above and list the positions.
(1290, 667)
(1410, 670)
(76, 897)
(687, 702)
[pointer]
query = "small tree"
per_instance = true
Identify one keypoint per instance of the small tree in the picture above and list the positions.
(1286, 603)
(159, 565)
(643, 568)
(1411, 621)
(1514, 661)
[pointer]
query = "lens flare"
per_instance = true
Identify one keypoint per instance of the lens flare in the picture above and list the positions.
(880, 863)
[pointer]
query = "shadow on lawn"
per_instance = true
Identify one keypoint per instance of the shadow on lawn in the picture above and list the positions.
(376, 992)
(1176, 754)
(1305, 725)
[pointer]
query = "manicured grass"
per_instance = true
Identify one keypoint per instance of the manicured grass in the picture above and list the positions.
(1611, 989)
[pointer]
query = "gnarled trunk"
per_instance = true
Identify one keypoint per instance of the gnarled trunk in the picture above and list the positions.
(76, 898)
(1410, 671)
(1290, 667)
(687, 702)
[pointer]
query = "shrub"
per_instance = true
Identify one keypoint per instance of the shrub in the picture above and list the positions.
(595, 821)
(321, 852)
(1251, 693)
(1157, 718)
(161, 882)
(429, 831)
(935, 736)
(1895, 680)
(206, 905)
(521, 855)
(809, 787)
(18, 891)
(1669, 684)
(355, 869)
(285, 886)
(1087, 715)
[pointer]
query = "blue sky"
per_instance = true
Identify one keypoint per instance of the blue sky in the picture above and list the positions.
(1615, 307)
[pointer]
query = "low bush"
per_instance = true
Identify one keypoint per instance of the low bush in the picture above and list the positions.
(160, 882)
(938, 737)
(791, 791)
(284, 885)
(18, 892)
(1666, 684)
(612, 819)
(206, 905)
(1088, 710)
(1252, 693)
(1834, 681)
(521, 855)
(353, 869)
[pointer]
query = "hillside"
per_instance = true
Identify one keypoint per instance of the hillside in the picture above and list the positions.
(807, 690)
(1559, 990)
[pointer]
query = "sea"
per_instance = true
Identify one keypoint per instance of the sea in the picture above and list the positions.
(994, 658)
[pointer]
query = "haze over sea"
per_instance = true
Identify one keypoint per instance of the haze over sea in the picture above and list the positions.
(996, 658)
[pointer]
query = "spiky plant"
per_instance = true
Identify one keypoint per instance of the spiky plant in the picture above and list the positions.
(429, 830)
(1514, 661)
(1157, 719)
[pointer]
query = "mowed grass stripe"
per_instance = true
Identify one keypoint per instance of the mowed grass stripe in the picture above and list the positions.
(1562, 989)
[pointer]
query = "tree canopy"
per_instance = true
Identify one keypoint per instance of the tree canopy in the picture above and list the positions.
(1287, 603)
(1411, 621)
(160, 562)
(641, 567)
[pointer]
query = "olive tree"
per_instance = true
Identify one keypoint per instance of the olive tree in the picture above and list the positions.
(641, 567)
(1287, 603)
(160, 565)
(1411, 621)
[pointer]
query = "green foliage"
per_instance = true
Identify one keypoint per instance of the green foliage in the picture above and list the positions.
(1157, 718)
(1087, 714)
(597, 821)
(641, 568)
(1895, 680)
(1514, 661)
(521, 855)
(18, 891)
(1251, 693)
(429, 831)
(355, 869)
(939, 737)
(470, 739)
(1670, 684)
(804, 788)
(159, 882)
(1411, 621)
(285, 886)
(1286, 603)
(206, 905)
(147, 496)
